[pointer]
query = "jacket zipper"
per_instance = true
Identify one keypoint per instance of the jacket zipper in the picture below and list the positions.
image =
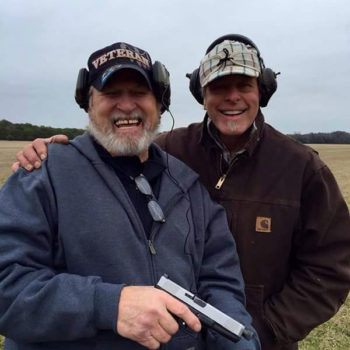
(224, 176)
(156, 228)
(221, 181)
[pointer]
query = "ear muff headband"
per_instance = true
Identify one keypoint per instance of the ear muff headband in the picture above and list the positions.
(160, 85)
(236, 37)
(267, 79)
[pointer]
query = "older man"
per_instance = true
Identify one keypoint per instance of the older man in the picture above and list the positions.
(84, 239)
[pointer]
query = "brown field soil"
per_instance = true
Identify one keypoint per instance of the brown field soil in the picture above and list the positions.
(337, 157)
(8, 150)
(334, 334)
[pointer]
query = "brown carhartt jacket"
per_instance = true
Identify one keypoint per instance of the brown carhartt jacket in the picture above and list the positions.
(290, 222)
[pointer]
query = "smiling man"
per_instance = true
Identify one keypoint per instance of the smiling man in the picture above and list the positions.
(230, 89)
(84, 239)
(128, 130)
(234, 111)
(289, 219)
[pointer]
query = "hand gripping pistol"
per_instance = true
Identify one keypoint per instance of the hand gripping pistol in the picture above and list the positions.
(207, 314)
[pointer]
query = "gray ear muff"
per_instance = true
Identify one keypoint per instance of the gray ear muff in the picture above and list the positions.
(195, 86)
(161, 85)
(267, 86)
(82, 89)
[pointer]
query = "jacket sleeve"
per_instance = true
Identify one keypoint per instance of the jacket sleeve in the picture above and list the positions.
(220, 278)
(37, 302)
(320, 270)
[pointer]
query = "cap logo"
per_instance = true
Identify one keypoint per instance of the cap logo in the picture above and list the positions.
(121, 53)
(108, 72)
(223, 61)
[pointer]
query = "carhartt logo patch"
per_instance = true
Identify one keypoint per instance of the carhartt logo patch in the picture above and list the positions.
(263, 224)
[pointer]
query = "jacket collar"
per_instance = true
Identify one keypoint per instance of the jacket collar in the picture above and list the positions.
(210, 140)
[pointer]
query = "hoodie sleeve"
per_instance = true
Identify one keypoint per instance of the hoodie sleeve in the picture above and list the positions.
(37, 302)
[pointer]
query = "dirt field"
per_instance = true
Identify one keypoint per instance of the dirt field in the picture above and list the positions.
(337, 157)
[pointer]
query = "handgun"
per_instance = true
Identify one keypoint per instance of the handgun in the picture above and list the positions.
(210, 316)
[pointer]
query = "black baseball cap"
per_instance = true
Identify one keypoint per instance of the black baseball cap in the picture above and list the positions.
(105, 62)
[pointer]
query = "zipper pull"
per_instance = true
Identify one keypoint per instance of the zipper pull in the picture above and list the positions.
(151, 247)
(220, 182)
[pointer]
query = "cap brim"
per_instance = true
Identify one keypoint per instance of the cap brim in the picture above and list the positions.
(232, 71)
(102, 79)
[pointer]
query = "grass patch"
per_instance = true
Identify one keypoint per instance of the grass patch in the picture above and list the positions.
(334, 334)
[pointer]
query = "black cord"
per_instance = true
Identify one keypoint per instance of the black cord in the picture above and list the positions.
(167, 154)
(166, 107)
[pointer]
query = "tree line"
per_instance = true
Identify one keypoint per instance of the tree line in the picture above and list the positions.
(28, 132)
(336, 137)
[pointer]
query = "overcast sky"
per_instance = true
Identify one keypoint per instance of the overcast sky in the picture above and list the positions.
(44, 43)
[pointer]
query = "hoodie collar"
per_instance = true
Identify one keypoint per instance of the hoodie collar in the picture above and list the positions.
(183, 176)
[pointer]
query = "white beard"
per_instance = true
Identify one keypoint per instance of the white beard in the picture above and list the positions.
(232, 125)
(127, 145)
